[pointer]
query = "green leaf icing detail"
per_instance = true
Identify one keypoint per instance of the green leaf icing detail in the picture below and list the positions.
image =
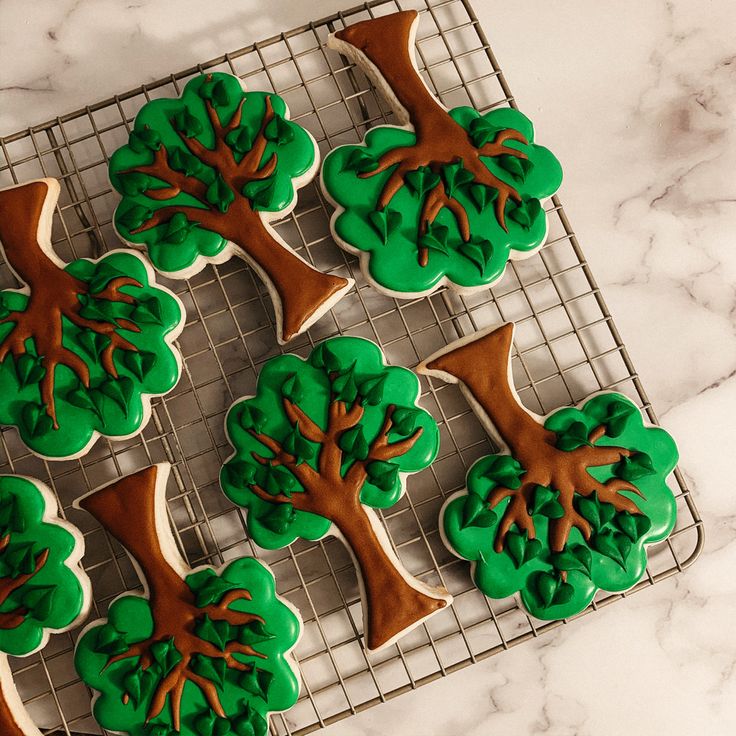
(456, 176)
(574, 436)
(385, 222)
(383, 474)
(360, 161)
(639, 465)
(279, 130)
(220, 194)
(435, 239)
(187, 124)
(144, 139)
(422, 180)
(354, 443)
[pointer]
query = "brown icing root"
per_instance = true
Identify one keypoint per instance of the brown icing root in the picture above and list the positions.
(386, 43)
(54, 293)
(482, 366)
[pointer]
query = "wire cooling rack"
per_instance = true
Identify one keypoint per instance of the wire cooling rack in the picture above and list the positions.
(567, 347)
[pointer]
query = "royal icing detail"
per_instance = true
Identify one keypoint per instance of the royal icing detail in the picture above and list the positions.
(203, 651)
(322, 443)
(42, 587)
(446, 199)
(202, 175)
(84, 345)
(572, 500)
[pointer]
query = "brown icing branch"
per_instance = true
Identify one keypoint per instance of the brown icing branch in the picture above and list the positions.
(482, 366)
(127, 509)
(301, 289)
(54, 293)
(392, 602)
(387, 44)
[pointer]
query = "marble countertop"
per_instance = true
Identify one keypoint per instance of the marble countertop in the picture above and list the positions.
(639, 102)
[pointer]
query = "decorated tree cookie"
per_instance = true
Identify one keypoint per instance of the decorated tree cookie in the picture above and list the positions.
(83, 345)
(42, 586)
(571, 501)
(323, 442)
(203, 651)
(202, 176)
(445, 198)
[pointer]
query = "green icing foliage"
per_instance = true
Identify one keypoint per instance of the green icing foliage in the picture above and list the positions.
(394, 264)
(267, 683)
(560, 583)
(47, 594)
(183, 127)
(346, 371)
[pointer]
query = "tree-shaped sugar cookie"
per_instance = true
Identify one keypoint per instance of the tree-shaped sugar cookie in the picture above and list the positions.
(201, 177)
(446, 197)
(203, 651)
(571, 501)
(42, 587)
(322, 443)
(83, 345)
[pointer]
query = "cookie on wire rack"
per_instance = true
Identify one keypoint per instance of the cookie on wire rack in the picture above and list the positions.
(203, 175)
(84, 345)
(571, 501)
(203, 651)
(324, 441)
(445, 197)
(43, 589)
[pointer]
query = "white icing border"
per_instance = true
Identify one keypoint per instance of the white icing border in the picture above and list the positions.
(173, 557)
(232, 249)
(43, 237)
(379, 82)
(378, 528)
(505, 450)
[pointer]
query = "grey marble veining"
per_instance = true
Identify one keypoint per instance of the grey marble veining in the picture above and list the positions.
(639, 101)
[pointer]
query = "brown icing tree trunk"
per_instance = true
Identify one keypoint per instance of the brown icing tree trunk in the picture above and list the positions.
(300, 288)
(392, 604)
(25, 234)
(481, 365)
(384, 47)
(127, 509)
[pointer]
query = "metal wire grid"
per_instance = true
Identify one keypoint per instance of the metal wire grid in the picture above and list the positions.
(566, 348)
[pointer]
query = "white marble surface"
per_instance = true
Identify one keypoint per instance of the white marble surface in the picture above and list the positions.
(639, 102)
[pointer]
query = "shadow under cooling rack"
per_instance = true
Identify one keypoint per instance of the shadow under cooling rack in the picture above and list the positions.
(566, 348)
